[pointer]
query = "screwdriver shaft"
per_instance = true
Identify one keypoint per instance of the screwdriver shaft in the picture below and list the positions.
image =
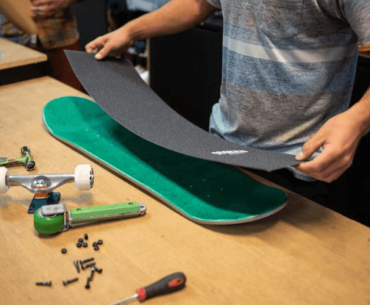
(126, 300)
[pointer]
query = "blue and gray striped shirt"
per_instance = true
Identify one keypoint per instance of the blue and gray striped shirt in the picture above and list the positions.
(288, 66)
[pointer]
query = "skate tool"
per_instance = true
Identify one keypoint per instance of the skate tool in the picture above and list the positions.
(54, 218)
(170, 283)
(25, 160)
(43, 185)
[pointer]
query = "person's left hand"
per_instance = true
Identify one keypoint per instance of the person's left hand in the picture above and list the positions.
(48, 8)
(339, 137)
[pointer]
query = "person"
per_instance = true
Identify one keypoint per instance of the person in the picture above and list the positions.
(57, 31)
(288, 74)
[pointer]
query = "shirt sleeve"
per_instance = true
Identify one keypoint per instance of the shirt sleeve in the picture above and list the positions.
(215, 3)
(357, 14)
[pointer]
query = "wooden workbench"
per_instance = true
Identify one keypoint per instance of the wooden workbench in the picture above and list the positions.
(305, 254)
(16, 55)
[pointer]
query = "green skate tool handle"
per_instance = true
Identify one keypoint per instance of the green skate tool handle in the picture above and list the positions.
(81, 216)
(47, 225)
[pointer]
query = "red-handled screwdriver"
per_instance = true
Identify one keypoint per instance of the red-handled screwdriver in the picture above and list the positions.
(170, 283)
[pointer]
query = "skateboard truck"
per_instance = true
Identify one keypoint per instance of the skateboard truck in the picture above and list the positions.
(54, 218)
(25, 160)
(43, 185)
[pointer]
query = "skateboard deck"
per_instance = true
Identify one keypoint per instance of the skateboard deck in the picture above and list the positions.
(203, 191)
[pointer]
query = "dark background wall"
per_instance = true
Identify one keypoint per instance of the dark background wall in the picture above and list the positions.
(91, 20)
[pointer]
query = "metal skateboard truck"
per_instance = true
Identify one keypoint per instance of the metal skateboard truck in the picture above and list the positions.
(43, 185)
(54, 218)
(25, 160)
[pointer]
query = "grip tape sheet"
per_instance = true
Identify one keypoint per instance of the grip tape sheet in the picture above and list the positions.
(119, 90)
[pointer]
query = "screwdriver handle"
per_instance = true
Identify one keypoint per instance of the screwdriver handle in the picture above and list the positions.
(170, 283)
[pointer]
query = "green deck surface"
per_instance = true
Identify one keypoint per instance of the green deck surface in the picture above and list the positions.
(204, 191)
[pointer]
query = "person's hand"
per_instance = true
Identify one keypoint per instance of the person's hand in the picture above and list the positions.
(42, 9)
(339, 138)
(111, 44)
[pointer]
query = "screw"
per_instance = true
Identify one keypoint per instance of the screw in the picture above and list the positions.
(92, 273)
(76, 265)
(86, 261)
(88, 283)
(79, 245)
(86, 237)
(64, 250)
(88, 266)
(80, 240)
(84, 245)
(97, 269)
(43, 283)
(65, 283)
(96, 248)
(95, 244)
(100, 242)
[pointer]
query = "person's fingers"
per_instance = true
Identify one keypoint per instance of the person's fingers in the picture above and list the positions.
(329, 174)
(96, 45)
(328, 166)
(112, 44)
(41, 8)
(310, 147)
(105, 51)
(44, 11)
(41, 2)
(319, 164)
(91, 47)
(332, 176)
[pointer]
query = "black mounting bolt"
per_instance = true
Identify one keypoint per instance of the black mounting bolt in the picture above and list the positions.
(100, 242)
(86, 260)
(96, 248)
(92, 274)
(88, 266)
(64, 250)
(65, 283)
(86, 237)
(43, 283)
(94, 244)
(84, 245)
(88, 283)
(76, 265)
(97, 269)
(79, 245)
(80, 240)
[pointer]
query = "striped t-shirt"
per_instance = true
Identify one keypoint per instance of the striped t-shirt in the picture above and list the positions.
(288, 66)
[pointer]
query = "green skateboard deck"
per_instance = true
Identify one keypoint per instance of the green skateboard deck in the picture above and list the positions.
(203, 191)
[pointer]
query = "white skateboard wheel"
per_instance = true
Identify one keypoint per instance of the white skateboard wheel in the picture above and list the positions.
(84, 177)
(4, 174)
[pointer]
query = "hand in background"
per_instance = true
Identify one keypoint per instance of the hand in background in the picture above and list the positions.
(43, 9)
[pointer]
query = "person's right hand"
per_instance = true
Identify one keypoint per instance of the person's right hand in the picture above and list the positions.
(112, 44)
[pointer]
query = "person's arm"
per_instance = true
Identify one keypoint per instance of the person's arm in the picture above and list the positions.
(176, 16)
(339, 137)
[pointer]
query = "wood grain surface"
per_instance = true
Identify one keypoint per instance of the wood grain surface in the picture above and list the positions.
(16, 55)
(305, 254)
